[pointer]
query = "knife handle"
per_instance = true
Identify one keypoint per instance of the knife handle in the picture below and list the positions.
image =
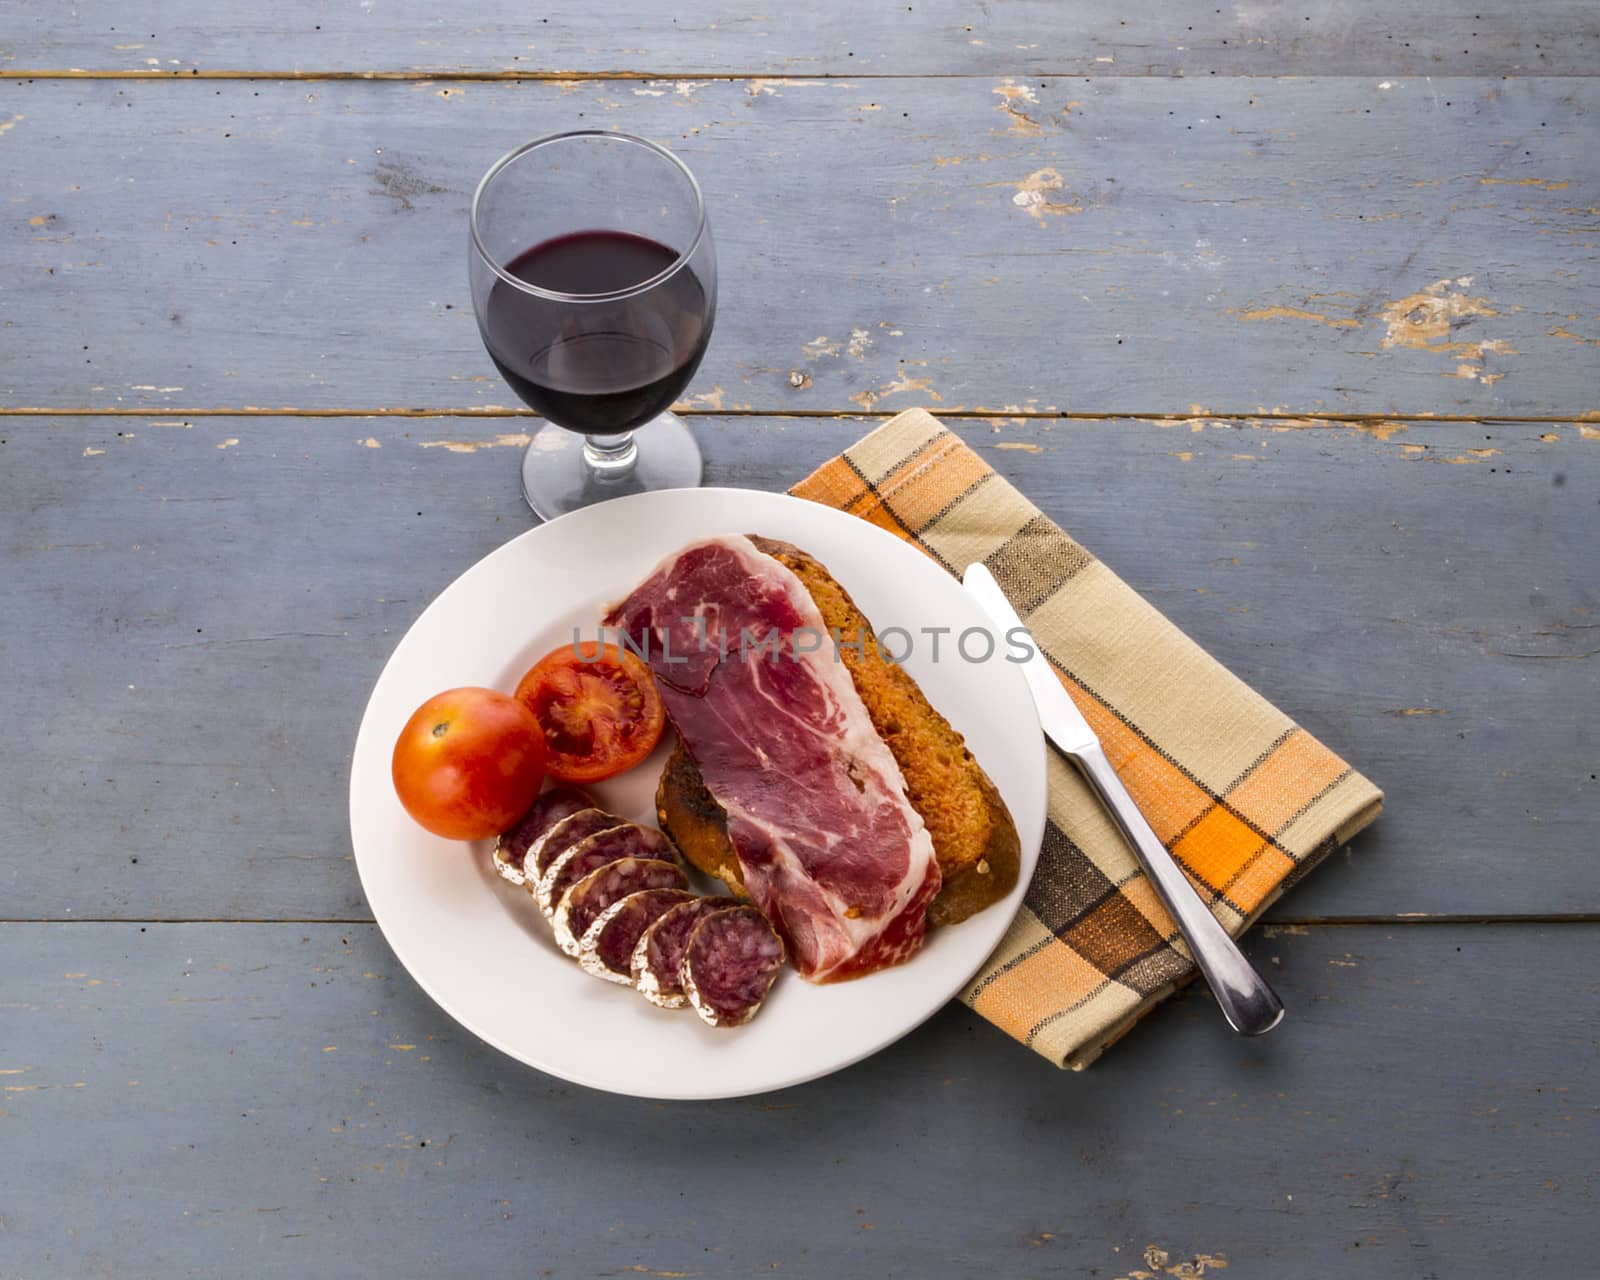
(1249, 1004)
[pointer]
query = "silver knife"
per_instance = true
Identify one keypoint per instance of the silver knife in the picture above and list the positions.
(1249, 1004)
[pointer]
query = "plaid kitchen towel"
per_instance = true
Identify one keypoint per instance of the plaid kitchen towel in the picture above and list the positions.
(1246, 800)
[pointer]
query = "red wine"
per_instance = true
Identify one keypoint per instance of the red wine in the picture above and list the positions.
(600, 366)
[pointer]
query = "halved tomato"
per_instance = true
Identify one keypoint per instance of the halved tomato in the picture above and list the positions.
(598, 707)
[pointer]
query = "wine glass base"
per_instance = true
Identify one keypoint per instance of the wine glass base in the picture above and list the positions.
(556, 480)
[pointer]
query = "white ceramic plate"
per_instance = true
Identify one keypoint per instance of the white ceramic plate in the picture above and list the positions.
(479, 946)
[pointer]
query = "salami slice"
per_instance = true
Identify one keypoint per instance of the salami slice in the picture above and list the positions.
(584, 903)
(731, 962)
(659, 952)
(626, 841)
(512, 848)
(571, 830)
(606, 947)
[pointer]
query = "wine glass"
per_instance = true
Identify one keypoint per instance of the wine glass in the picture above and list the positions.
(594, 280)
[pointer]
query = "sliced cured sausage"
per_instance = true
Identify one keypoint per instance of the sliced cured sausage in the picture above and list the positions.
(731, 961)
(512, 848)
(625, 841)
(606, 948)
(658, 954)
(571, 830)
(584, 902)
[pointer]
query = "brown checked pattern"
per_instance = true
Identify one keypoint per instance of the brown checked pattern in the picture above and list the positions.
(1246, 800)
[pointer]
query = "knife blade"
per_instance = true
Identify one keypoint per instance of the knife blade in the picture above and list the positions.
(1059, 716)
(1249, 1004)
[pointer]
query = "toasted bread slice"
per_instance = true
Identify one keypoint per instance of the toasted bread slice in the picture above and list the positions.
(690, 814)
(974, 838)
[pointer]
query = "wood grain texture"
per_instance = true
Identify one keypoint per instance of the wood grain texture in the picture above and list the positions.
(1406, 246)
(193, 609)
(1033, 37)
(196, 610)
(185, 1095)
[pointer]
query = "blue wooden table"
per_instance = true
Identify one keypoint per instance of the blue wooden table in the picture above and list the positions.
(1290, 314)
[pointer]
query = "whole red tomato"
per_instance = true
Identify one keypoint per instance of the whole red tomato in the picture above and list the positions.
(469, 763)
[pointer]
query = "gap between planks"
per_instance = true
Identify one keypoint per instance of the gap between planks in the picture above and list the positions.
(1332, 419)
(571, 77)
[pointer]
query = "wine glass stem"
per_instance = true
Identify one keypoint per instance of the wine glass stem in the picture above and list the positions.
(610, 457)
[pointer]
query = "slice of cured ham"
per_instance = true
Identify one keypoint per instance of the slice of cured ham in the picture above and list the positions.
(829, 847)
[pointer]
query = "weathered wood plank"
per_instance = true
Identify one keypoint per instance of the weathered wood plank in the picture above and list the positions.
(195, 611)
(1033, 37)
(1396, 246)
(185, 1094)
